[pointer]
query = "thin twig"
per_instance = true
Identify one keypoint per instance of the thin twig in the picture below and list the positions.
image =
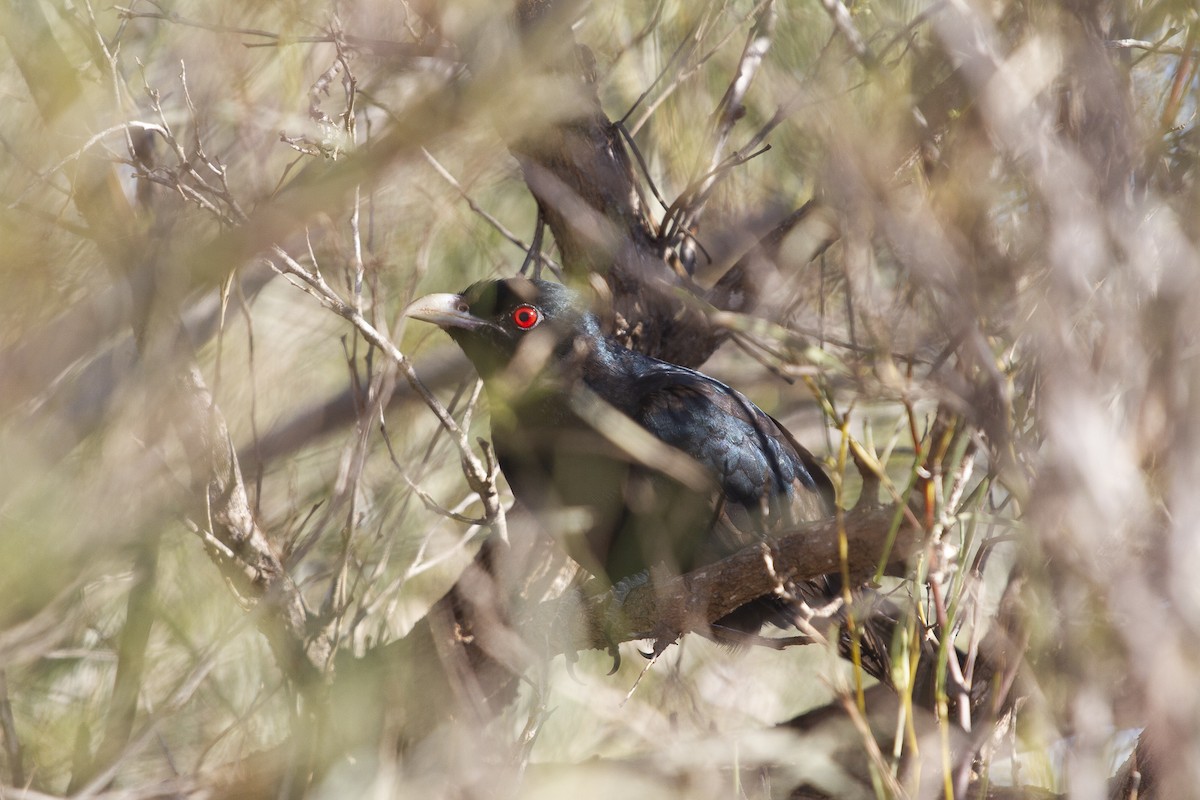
(1141, 44)
(685, 74)
(845, 25)
(477, 474)
(487, 217)
(729, 110)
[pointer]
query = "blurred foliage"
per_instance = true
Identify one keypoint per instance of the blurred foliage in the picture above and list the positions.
(1012, 191)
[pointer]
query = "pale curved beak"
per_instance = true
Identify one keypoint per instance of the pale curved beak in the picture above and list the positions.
(443, 310)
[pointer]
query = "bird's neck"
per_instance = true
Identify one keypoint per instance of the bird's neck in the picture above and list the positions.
(546, 399)
(611, 371)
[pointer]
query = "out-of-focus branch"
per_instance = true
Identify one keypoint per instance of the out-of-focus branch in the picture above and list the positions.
(131, 657)
(333, 413)
(737, 286)
(413, 53)
(225, 515)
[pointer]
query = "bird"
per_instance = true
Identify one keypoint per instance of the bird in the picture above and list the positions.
(639, 463)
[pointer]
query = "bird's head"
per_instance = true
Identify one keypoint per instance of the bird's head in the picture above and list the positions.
(514, 325)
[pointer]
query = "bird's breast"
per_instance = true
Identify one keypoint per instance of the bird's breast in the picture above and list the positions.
(613, 515)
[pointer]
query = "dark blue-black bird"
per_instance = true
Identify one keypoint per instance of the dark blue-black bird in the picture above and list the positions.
(634, 462)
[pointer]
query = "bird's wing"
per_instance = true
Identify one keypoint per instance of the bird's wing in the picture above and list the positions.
(769, 481)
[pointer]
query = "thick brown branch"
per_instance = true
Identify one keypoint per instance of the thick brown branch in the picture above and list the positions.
(668, 609)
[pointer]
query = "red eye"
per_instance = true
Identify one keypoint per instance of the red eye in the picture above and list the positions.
(526, 317)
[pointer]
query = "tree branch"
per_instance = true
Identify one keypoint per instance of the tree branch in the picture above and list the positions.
(668, 609)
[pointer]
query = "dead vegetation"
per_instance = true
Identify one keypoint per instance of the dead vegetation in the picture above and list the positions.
(252, 539)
